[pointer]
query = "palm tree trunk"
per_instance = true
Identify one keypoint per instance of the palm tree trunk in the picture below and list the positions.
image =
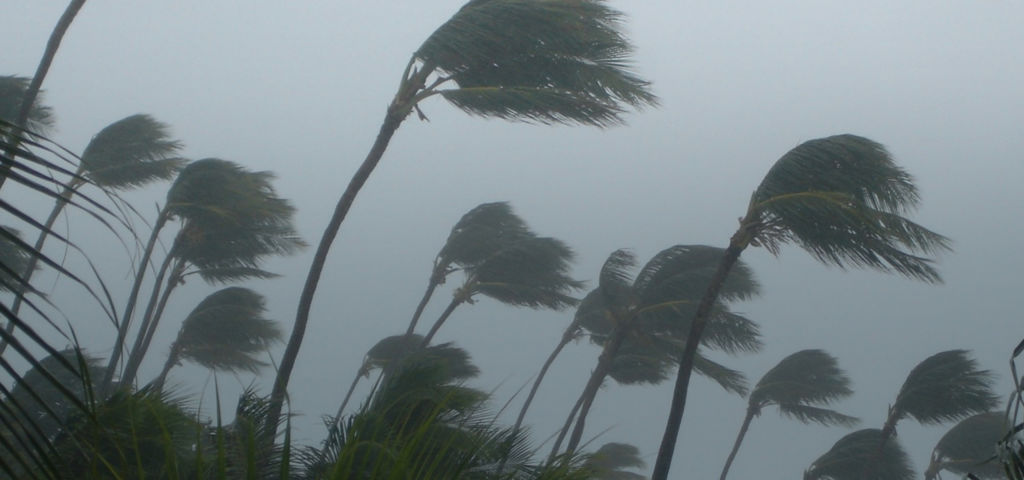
(739, 440)
(565, 428)
(458, 300)
(30, 268)
(348, 395)
(567, 337)
(172, 360)
(37, 80)
(739, 242)
(434, 282)
(126, 317)
(134, 355)
(604, 365)
(399, 109)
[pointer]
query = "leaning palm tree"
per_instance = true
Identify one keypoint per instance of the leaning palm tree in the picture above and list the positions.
(841, 198)
(538, 61)
(846, 460)
(226, 331)
(478, 235)
(968, 448)
(801, 386)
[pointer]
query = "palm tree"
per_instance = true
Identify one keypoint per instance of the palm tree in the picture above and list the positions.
(226, 331)
(968, 448)
(846, 460)
(129, 153)
(801, 386)
(640, 322)
(481, 232)
(841, 198)
(548, 62)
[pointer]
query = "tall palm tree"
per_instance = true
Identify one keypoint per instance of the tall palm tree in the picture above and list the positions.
(529, 272)
(847, 459)
(538, 61)
(640, 322)
(801, 386)
(841, 198)
(478, 235)
(226, 331)
(968, 448)
(129, 153)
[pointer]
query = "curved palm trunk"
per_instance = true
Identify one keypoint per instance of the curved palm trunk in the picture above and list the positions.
(37, 80)
(458, 300)
(434, 282)
(172, 360)
(565, 428)
(135, 355)
(751, 413)
(399, 109)
(739, 242)
(604, 365)
(567, 337)
(348, 396)
(126, 317)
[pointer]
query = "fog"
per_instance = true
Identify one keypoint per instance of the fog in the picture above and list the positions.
(300, 89)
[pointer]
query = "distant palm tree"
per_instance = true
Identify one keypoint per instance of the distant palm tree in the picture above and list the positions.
(847, 459)
(129, 153)
(226, 331)
(478, 235)
(611, 461)
(800, 385)
(641, 322)
(530, 272)
(41, 118)
(969, 448)
(553, 61)
(841, 198)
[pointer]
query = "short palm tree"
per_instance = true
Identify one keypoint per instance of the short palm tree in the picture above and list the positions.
(968, 448)
(538, 61)
(801, 386)
(226, 331)
(478, 235)
(841, 198)
(847, 459)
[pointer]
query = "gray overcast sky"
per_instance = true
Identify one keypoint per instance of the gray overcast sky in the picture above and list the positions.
(300, 88)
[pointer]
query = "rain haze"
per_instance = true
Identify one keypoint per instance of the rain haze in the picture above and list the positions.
(301, 88)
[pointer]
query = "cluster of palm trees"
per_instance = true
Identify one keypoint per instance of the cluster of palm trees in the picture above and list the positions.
(841, 198)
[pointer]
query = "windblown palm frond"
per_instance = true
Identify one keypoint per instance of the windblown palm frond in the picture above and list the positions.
(944, 387)
(391, 352)
(732, 381)
(802, 381)
(611, 461)
(41, 118)
(849, 458)
(969, 447)
(131, 152)
(481, 232)
(531, 272)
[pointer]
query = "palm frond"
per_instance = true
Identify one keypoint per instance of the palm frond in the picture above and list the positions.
(611, 461)
(615, 280)
(227, 331)
(532, 272)
(485, 229)
(131, 152)
(946, 386)
(732, 333)
(808, 377)
(41, 118)
(852, 456)
(842, 198)
(969, 447)
(809, 414)
(731, 380)
(13, 262)
(634, 364)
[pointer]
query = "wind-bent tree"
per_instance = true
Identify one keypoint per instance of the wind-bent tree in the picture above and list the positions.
(801, 386)
(478, 235)
(225, 332)
(641, 322)
(530, 272)
(538, 61)
(969, 448)
(841, 198)
(128, 153)
(847, 459)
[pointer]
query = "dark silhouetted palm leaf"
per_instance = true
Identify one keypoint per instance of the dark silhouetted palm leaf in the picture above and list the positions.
(547, 61)
(12, 91)
(800, 385)
(14, 261)
(611, 461)
(131, 152)
(969, 447)
(841, 198)
(849, 457)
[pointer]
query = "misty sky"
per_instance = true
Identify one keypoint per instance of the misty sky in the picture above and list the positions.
(300, 88)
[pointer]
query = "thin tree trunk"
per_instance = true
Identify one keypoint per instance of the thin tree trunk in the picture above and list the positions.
(132, 363)
(604, 365)
(172, 360)
(399, 109)
(30, 268)
(739, 440)
(126, 317)
(565, 427)
(423, 302)
(567, 337)
(700, 319)
(52, 45)
(440, 320)
(348, 395)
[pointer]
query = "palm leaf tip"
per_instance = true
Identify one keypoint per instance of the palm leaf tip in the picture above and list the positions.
(944, 387)
(843, 199)
(857, 453)
(132, 152)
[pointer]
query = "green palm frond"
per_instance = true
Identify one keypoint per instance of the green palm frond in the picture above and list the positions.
(13, 261)
(732, 333)
(41, 118)
(946, 386)
(852, 456)
(731, 380)
(801, 383)
(131, 152)
(392, 352)
(614, 280)
(227, 331)
(684, 271)
(485, 229)
(532, 272)
(842, 198)
(545, 61)
(636, 365)
(611, 461)
(969, 447)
